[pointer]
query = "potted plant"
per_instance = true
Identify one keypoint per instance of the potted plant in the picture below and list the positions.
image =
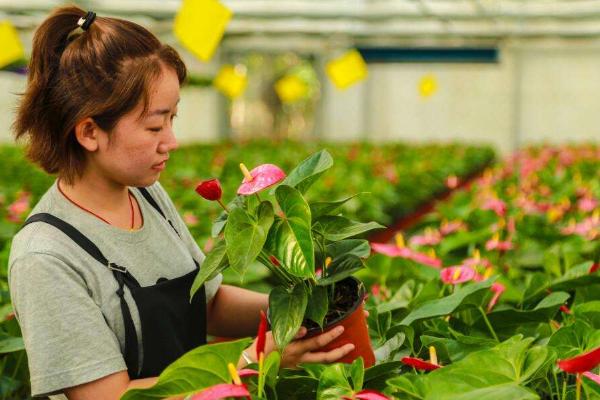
(309, 248)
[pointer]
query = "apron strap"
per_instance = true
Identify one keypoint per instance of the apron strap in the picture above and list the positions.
(154, 204)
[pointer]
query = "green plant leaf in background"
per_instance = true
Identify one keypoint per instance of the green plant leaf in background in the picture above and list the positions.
(471, 295)
(321, 208)
(318, 304)
(333, 383)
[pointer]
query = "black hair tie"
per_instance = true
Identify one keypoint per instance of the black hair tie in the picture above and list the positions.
(85, 22)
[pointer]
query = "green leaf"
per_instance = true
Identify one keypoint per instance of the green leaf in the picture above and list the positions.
(320, 208)
(334, 384)
(463, 239)
(271, 368)
(318, 304)
(214, 263)
(390, 347)
(292, 236)
(197, 369)
(356, 370)
(576, 277)
(219, 224)
(245, 235)
(336, 228)
(286, 310)
(508, 318)
(358, 247)
(10, 344)
(309, 170)
(341, 268)
(471, 295)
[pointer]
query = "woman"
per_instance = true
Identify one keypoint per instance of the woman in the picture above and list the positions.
(101, 271)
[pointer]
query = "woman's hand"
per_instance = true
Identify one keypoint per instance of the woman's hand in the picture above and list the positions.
(305, 350)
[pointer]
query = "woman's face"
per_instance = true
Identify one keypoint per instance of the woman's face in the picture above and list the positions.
(138, 148)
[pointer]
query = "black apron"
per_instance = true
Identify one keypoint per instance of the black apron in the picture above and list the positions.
(171, 325)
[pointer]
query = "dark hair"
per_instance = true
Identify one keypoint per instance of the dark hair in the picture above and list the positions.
(102, 73)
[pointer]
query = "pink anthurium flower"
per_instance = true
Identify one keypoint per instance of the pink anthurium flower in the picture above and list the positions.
(452, 182)
(259, 178)
(18, 208)
(247, 372)
(587, 204)
(367, 394)
(449, 227)
(592, 376)
(496, 244)
(222, 391)
(498, 289)
(426, 259)
(391, 250)
(581, 363)
(496, 205)
(457, 274)
(431, 237)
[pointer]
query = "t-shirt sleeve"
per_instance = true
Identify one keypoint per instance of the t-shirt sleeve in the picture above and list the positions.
(67, 339)
(211, 286)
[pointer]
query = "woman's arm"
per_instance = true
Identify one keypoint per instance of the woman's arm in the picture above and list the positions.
(235, 312)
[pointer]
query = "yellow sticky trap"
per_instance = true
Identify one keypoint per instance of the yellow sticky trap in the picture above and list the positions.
(428, 86)
(11, 49)
(199, 26)
(290, 89)
(399, 240)
(346, 70)
(231, 81)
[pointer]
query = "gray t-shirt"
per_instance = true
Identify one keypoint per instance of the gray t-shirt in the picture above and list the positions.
(65, 300)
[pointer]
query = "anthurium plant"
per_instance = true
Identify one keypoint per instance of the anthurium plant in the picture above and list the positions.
(309, 248)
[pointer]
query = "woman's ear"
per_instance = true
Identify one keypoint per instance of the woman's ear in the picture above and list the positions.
(87, 134)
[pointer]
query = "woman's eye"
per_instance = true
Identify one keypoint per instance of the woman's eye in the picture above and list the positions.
(155, 129)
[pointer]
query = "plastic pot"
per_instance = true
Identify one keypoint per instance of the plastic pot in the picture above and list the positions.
(355, 328)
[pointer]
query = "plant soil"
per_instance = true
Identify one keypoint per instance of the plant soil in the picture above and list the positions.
(344, 298)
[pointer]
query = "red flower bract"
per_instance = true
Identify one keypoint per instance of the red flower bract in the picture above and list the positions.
(419, 364)
(221, 391)
(581, 363)
(262, 333)
(210, 189)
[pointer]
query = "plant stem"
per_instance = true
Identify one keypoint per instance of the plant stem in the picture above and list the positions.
(18, 364)
(258, 197)
(223, 206)
(487, 322)
(578, 387)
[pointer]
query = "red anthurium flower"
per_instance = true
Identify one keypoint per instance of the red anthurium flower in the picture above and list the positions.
(592, 376)
(367, 394)
(18, 208)
(222, 391)
(419, 364)
(594, 267)
(498, 289)
(565, 309)
(210, 189)
(262, 333)
(496, 244)
(457, 274)
(581, 363)
(260, 178)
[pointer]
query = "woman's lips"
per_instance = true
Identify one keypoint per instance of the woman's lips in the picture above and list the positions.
(160, 167)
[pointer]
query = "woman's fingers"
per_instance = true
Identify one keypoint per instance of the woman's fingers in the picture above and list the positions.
(301, 332)
(320, 341)
(328, 356)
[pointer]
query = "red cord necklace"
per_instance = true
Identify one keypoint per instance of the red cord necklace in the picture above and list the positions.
(96, 215)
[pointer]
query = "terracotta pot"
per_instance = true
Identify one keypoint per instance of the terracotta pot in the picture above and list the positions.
(355, 328)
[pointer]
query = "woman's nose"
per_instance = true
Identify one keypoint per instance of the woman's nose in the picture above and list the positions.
(169, 143)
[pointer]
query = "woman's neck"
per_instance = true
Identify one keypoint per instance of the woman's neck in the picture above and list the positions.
(108, 200)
